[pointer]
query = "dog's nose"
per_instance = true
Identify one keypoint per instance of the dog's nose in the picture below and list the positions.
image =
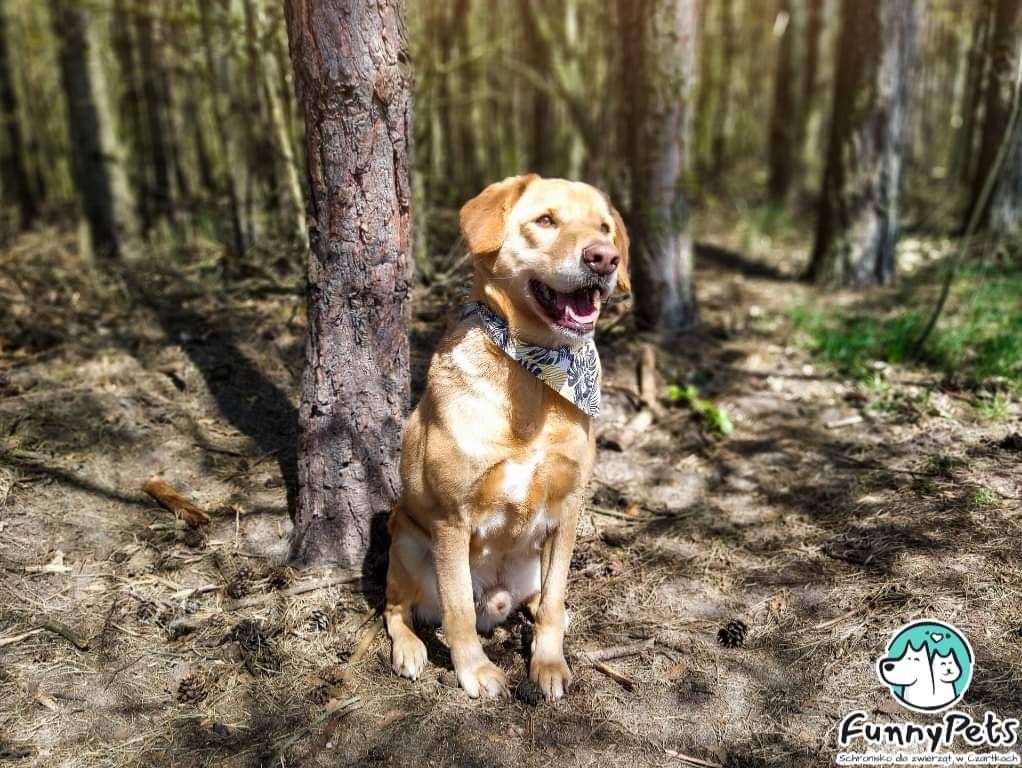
(602, 258)
(888, 666)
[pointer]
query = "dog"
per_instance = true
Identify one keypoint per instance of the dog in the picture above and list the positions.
(913, 671)
(495, 457)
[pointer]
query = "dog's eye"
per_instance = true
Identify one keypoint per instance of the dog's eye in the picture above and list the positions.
(605, 228)
(546, 220)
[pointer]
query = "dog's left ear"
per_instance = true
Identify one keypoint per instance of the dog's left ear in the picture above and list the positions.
(624, 281)
(484, 216)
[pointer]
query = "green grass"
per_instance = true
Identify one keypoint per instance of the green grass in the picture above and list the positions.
(978, 337)
(716, 416)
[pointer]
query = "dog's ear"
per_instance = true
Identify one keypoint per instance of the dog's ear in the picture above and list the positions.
(483, 217)
(624, 281)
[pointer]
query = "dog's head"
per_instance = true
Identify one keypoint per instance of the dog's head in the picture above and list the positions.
(548, 253)
(913, 666)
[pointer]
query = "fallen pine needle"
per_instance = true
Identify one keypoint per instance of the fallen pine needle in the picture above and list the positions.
(5, 641)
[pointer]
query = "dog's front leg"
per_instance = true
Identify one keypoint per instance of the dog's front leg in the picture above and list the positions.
(476, 673)
(548, 669)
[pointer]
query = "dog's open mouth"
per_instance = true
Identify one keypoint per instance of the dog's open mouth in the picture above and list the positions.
(576, 311)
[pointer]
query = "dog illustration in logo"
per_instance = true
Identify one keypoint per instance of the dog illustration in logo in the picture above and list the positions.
(914, 672)
(928, 665)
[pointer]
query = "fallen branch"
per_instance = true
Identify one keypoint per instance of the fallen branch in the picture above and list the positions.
(618, 651)
(59, 628)
(692, 760)
(299, 589)
(618, 677)
(5, 641)
(174, 502)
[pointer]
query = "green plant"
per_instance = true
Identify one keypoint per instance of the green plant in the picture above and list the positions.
(715, 416)
(984, 497)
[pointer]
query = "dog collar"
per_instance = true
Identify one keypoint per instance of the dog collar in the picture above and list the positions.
(572, 372)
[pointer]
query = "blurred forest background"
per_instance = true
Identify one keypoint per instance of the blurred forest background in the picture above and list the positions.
(172, 128)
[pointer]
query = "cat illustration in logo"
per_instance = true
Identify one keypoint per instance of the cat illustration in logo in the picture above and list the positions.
(914, 672)
(946, 671)
(928, 665)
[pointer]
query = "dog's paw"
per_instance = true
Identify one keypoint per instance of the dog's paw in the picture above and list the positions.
(481, 677)
(551, 675)
(408, 656)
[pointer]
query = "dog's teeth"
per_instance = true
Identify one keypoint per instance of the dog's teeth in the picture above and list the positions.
(597, 298)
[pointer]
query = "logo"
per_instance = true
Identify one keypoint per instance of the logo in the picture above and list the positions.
(927, 666)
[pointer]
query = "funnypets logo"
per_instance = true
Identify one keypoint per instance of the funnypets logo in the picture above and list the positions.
(927, 667)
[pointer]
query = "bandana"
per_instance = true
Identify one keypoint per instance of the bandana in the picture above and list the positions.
(572, 372)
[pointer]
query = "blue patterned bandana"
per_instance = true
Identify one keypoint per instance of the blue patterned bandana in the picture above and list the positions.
(572, 372)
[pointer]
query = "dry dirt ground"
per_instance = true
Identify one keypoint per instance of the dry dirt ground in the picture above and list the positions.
(821, 538)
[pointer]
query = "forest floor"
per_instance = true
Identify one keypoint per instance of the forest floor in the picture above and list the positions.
(834, 513)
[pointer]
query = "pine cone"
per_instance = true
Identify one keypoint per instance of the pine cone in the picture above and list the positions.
(732, 634)
(241, 582)
(147, 612)
(279, 577)
(191, 690)
(319, 620)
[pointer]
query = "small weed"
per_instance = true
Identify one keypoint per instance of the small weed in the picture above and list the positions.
(984, 497)
(715, 416)
(944, 465)
(993, 409)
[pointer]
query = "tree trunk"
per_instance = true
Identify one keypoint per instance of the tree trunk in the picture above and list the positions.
(783, 151)
(16, 186)
(962, 162)
(658, 69)
(1002, 55)
(1005, 209)
(857, 230)
(354, 82)
(97, 168)
(159, 194)
(728, 54)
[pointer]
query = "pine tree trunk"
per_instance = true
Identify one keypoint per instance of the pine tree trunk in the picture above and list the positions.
(783, 150)
(354, 82)
(857, 230)
(962, 162)
(728, 54)
(658, 69)
(97, 167)
(16, 186)
(1002, 55)
(1005, 209)
(160, 196)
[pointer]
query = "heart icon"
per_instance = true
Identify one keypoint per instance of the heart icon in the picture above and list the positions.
(936, 636)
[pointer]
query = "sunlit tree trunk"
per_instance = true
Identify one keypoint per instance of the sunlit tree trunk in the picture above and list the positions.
(857, 230)
(658, 69)
(728, 54)
(1003, 50)
(963, 150)
(97, 166)
(354, 82)
(16, 186)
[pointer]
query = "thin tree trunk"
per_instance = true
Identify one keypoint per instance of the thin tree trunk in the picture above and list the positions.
(783, 150)
(96, 163)
(1002, 55)
(229, 154)
(354, 82)
(160, 196)
(857, 230)
(962, 163)
(728, 54)
(17, 187)
(658, 70)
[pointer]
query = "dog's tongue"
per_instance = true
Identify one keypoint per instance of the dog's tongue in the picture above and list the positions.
(578, 306)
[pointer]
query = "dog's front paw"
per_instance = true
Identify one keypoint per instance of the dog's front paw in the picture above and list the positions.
(408, 656)
(481, 677)
(551, 675)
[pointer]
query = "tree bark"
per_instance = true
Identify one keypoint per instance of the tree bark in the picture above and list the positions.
(728, 54)
(159, 194)
(16, 186)
(354, 82)
(857, 229)
(658, 65)
(97, 166)
(1002, 55)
